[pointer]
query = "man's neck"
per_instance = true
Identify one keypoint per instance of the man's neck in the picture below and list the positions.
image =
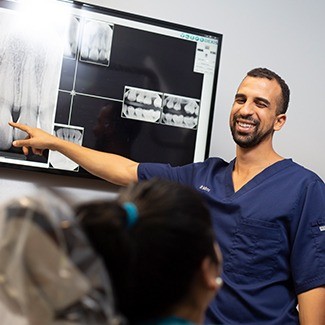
(250, 162)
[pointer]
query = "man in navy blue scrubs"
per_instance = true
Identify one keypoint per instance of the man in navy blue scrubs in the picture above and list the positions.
(268, 211)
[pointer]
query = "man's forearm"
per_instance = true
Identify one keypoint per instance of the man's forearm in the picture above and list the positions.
(312, 307)
(113, 168)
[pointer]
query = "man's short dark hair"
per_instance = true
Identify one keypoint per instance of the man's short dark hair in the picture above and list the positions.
(266, 73)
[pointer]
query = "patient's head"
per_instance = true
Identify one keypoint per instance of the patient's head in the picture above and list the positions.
(158, 245)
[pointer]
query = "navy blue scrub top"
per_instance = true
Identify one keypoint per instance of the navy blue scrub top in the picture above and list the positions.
(270, 234)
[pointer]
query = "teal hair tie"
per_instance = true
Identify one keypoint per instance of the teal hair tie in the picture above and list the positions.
(131, 213)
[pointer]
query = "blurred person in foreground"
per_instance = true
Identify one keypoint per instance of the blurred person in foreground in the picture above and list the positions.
(157, 242)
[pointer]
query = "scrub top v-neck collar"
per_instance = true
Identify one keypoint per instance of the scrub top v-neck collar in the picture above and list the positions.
(260, 177)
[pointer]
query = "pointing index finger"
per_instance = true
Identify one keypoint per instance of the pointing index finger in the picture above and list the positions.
(20, 126)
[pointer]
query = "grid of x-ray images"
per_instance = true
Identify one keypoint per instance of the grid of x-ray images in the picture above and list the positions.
(95, 91)
(87, 41)
(157, 107)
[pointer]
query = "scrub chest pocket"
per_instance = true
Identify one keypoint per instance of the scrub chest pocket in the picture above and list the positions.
(254, 248)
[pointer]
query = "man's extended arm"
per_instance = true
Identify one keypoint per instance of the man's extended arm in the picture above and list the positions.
(312, 306)
(113, 168)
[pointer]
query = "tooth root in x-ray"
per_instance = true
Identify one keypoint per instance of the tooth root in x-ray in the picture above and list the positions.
(6, 133)
(30, 66)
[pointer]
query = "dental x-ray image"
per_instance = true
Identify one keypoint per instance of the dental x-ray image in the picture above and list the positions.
(96, 42)
(30, 65)
(180, 111)
(70, 133)
(71, 39)
(142, 104)
(150, 106)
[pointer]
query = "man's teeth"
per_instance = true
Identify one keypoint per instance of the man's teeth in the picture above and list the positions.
(245, 125)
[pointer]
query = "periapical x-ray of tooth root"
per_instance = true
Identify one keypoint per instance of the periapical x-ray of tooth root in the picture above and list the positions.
(96, 42)
(30, 65)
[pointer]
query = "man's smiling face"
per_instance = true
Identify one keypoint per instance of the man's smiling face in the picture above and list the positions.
(253, 113)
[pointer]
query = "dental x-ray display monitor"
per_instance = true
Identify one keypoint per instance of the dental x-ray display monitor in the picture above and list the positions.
(108, 80)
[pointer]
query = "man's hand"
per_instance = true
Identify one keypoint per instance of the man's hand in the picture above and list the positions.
(36, 139)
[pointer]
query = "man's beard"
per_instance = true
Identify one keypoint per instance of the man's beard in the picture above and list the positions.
(245, 140)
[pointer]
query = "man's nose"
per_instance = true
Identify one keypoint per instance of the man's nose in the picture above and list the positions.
(247, 108)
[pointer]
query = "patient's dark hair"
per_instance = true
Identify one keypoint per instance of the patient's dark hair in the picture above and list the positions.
(153, 262)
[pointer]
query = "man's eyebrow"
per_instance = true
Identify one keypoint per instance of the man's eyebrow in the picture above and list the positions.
(259, 99)
(240, 96)
(262, 99)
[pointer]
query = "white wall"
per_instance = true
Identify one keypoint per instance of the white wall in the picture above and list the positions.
(286, 36)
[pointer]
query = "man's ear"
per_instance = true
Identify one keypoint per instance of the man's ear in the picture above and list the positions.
(279, 122)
